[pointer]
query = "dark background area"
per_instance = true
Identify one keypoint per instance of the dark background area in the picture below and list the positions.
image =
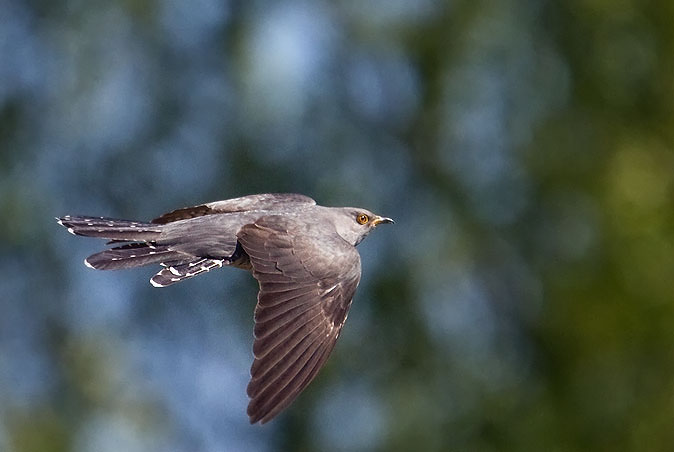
(523, 301)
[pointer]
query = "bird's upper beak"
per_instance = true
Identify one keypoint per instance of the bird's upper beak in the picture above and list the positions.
(379, 220)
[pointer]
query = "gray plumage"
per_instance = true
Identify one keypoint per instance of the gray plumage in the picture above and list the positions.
(303, 256)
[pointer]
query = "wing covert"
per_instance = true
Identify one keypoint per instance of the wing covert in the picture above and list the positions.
(264, 201)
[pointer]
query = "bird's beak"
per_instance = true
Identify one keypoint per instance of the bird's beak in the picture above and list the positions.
(379, 220)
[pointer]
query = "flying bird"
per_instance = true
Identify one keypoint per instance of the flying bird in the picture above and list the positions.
(303, 256)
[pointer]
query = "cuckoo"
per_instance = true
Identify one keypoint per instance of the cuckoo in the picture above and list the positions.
(303, 256)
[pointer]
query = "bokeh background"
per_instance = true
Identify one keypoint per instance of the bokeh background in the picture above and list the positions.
(523, 301)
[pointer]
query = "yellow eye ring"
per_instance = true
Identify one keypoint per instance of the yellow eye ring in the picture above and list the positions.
(362, 218)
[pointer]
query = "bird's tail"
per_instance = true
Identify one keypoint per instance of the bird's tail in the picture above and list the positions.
(143, 250)
(110, 228)
(180, 271)
(132, 255)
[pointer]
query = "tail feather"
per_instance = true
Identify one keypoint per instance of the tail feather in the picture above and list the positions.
(132, 255)
(140, 245)
(110, 228)
(176, 273)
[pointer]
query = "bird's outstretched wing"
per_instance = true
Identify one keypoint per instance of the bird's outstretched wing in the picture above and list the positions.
(267, 201)
(308, 275)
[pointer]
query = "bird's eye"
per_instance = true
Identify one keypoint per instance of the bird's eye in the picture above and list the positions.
(362, 218)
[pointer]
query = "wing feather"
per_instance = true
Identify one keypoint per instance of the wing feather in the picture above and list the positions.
(281, 349)
(266, 313)
(266, 201)
(273, 333)
(261, 367)
(308, 275)
(287, 389)
(271, 397)
(269, 299)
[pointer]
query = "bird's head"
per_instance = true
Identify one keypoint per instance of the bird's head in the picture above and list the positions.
(354, 224)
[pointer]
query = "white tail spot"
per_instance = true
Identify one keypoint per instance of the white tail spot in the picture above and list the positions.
(174, 271)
